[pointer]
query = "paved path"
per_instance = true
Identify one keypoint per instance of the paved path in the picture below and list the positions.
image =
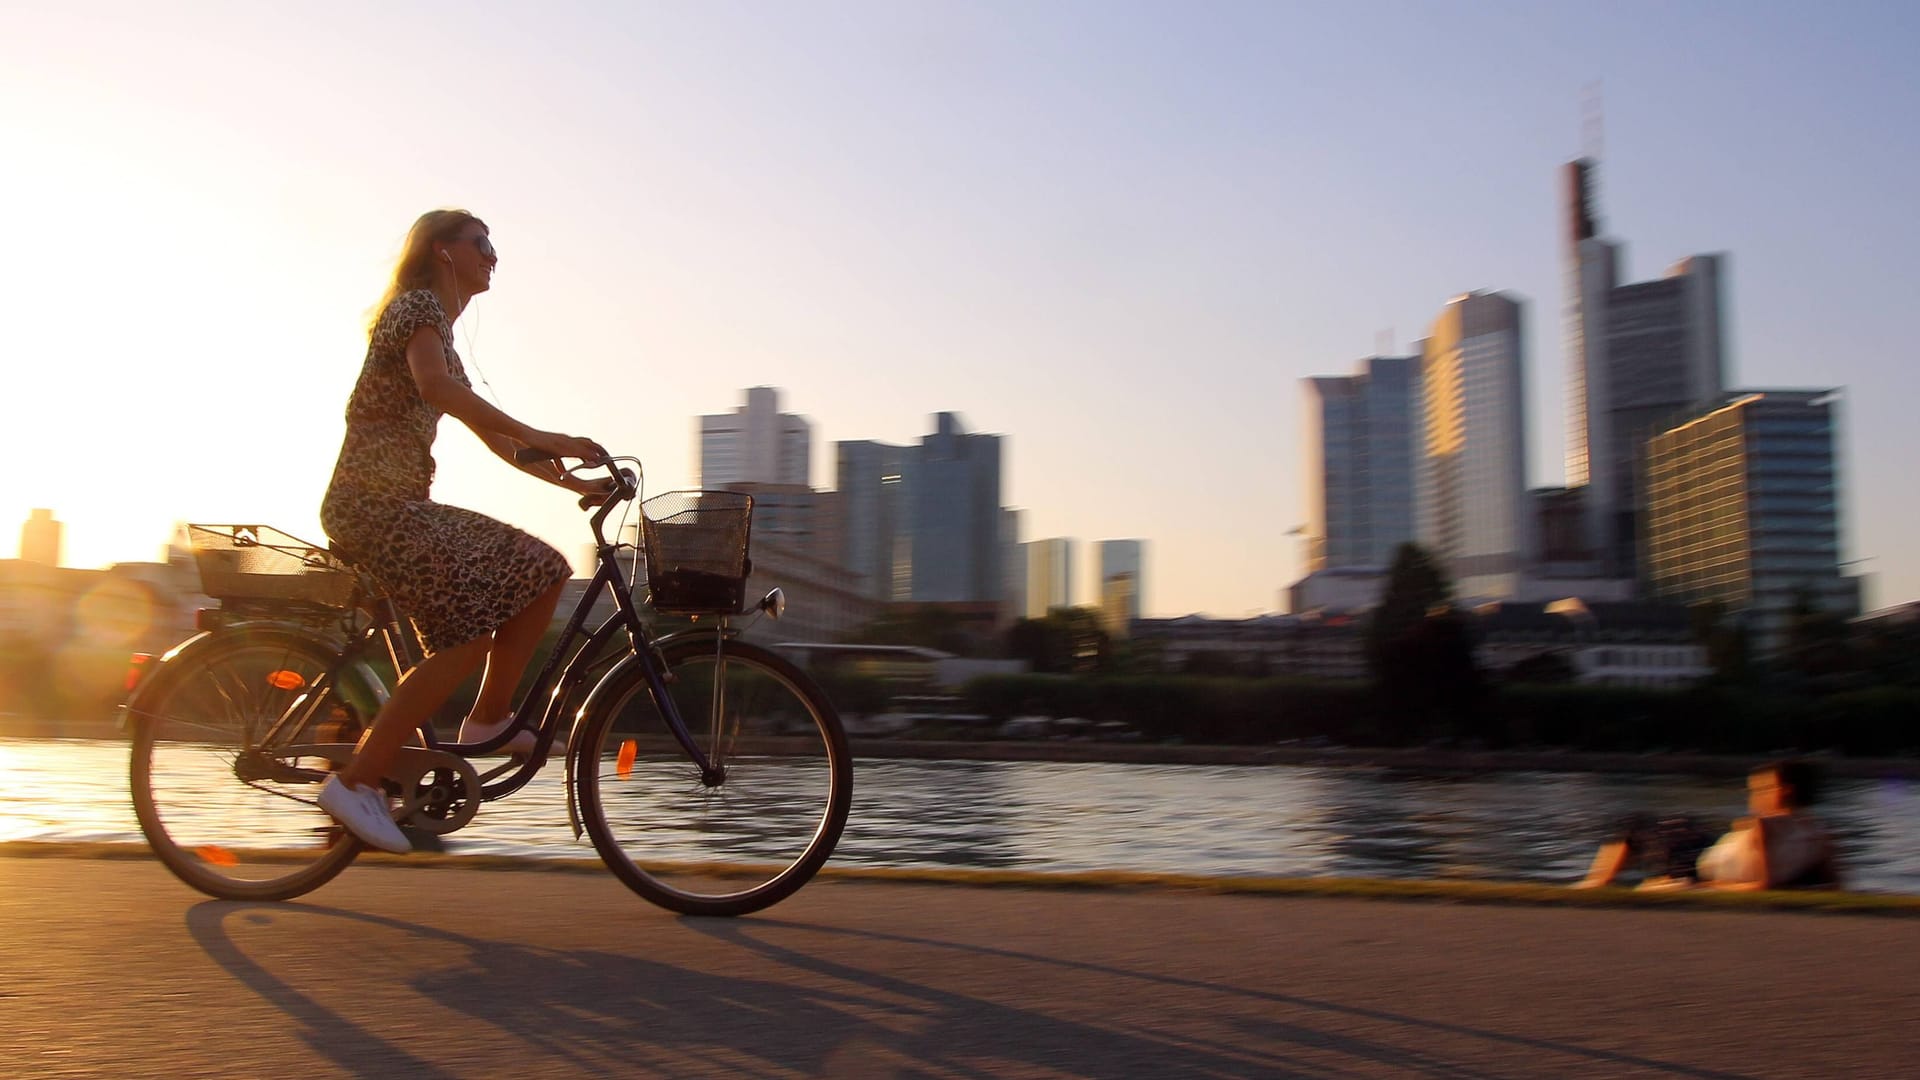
(111, 968)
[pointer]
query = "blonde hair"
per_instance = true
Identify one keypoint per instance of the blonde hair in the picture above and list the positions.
(416, 268)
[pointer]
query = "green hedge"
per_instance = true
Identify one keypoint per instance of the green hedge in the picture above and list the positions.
(1188, 708)
(1196, 709)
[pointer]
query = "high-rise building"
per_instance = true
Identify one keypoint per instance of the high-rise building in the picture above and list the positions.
(801, 520)
(1473, 509)
(923, 523)
(1049, 575)
(40, 538)
(1743, 509)
(872, 515)
(1637, 354)
(1013, 567)
(1362, 440)
(1121, 583)
(756, 443)
(953, 482)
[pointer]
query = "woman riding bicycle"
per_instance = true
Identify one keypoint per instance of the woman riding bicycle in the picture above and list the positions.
(478, 591)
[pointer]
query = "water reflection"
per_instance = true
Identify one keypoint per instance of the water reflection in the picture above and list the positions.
(1269, 820)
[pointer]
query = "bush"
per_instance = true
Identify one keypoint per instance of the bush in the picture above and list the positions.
(1714, 720)
(1876, 721)
(1182, 708)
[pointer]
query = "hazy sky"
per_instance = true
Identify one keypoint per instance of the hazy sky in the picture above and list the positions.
(1118, 234)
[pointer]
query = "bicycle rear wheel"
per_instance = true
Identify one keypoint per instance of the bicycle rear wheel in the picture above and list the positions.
(756, 834)
(229, 816)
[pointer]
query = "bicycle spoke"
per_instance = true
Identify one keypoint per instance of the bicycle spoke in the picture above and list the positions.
(226, 814)
(737, 839)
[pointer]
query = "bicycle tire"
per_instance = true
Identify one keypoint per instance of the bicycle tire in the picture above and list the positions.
(195, 721)
(771, 824)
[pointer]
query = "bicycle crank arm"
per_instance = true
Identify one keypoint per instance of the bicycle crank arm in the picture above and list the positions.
(439, 791)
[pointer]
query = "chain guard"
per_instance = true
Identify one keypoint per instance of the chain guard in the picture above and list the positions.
(440, 792)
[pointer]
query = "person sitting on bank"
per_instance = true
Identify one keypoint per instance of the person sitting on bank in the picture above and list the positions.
(1779, 846)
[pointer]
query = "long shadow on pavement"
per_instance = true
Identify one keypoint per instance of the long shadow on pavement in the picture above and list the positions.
(1253, 1029)
(598, 1011)
(601, 1012)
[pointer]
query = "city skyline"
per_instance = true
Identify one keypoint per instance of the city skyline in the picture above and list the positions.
(1118, 236)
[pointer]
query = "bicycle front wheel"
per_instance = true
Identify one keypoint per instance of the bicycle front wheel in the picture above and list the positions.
(744, 837)
(219, 784)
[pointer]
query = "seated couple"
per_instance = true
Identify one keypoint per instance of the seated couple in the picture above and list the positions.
(1780, 846)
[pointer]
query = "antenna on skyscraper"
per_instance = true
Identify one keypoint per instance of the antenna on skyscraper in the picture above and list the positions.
(1383, 342)
(1592, 127)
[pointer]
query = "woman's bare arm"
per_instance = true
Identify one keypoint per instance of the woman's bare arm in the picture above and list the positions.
(546, 469)
(427, 361)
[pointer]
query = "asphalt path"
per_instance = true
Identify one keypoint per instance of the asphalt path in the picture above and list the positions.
(112, 968)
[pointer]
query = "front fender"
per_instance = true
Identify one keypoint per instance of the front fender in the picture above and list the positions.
(678, 636)
(576, 746)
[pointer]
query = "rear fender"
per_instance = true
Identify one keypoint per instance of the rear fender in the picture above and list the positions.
(361, 685)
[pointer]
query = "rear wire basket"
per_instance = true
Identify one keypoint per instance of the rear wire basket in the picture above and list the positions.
(696, 548)
(249, 563)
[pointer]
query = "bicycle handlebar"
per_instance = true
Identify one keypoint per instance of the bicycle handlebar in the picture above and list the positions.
(626, 484)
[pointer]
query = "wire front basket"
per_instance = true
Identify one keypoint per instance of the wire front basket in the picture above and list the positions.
(696, 548)
(258, 562)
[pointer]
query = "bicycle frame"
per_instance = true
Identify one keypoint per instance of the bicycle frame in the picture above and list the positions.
(554, 683)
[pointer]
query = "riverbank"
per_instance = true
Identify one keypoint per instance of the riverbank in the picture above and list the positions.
(1349, 888)
(1411, 759)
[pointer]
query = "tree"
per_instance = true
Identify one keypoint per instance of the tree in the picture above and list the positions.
(1543, 667)
(1420, 651)
(929, 626)
(1728, 643)
(1416, 588)
(1067, 640)
(1817, 649)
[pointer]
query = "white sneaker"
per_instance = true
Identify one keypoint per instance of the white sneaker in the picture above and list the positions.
(365, 814)
(520, 745)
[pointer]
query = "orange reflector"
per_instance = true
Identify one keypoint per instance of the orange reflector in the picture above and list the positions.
(623, 765)
(218, 856)
(286, 680)
(136, 664)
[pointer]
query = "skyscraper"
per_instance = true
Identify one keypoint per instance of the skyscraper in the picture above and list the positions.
(1637, 354)
(924, 522)
(1473, 508)
(1013, 567)
(869, 479)
(756, 443)
(40, 539)
(1743, 509)
(953, 485)
(1121, 584)
(1049, 575)
(1362, 440)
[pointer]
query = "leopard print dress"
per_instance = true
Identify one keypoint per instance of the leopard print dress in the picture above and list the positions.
(456, 573)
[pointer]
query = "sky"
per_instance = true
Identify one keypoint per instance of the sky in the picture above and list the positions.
(1118, 234)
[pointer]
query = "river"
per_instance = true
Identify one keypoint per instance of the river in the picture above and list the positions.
(1268, 820)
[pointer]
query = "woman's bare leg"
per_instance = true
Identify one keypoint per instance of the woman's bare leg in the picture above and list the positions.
(420, 692)
(512, 648)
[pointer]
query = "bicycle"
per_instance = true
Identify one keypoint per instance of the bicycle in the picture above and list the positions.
(712, 775)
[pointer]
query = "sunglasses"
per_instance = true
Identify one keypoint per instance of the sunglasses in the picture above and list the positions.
(480, 244)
